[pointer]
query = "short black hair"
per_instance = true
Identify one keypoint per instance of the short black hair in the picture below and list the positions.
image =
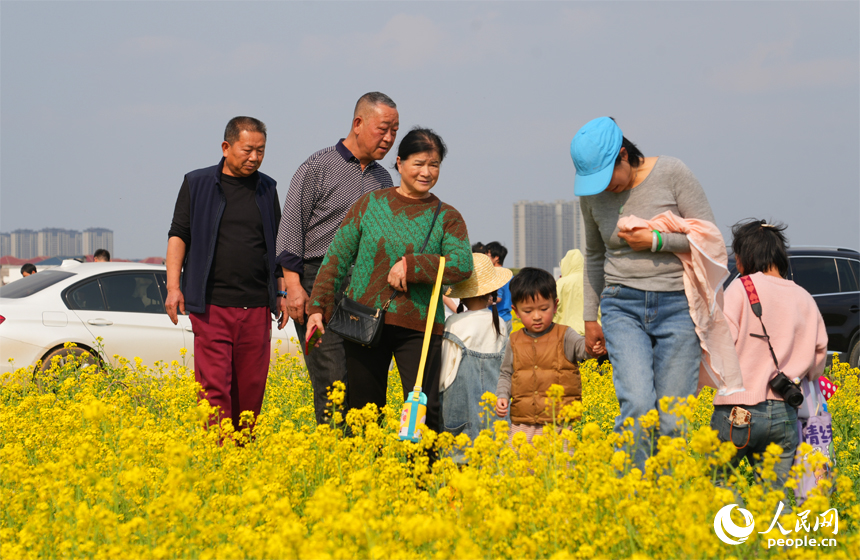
(759, 245)
(634, 154)
(420, 140)
(238, 124)
(478, 247)
(102, 253)
(29, 268)
(529, 283)
(496, 249)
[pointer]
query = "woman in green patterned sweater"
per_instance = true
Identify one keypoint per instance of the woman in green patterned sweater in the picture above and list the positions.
(380, 235)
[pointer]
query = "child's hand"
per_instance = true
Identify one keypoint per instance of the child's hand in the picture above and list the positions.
(501, 407)
(598, 350)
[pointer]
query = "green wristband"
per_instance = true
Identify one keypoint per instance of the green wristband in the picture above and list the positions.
(659, 240)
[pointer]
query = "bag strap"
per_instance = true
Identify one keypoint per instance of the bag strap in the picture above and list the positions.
(448, 335)
(432, 223)
(421, 250)
(755, 303)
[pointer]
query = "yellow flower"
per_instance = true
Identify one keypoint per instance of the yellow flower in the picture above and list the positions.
(650, 420)
(119, 463)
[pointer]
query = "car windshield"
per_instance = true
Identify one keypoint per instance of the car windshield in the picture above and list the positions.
(32, 284)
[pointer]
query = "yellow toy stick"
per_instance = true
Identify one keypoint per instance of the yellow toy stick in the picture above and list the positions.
(415, 407)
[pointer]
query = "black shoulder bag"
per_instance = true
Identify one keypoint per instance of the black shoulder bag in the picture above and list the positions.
(362, 324)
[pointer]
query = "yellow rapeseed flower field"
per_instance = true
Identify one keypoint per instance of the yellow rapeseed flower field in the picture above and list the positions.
(116, 463)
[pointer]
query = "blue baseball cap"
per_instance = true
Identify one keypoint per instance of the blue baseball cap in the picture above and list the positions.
(594, 150)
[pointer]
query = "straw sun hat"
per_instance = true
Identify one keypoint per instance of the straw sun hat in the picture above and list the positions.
(485, 279)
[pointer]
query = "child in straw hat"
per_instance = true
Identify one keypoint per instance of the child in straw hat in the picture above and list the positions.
(472, 348)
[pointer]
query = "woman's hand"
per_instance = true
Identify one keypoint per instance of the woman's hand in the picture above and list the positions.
(639, 239)
(501, 407)
(316, 320)
(397, 276)
(595, 344)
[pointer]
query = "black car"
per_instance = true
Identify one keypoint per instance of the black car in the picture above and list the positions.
(832, 276)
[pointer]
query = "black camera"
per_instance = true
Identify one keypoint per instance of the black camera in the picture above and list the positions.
(785, 388)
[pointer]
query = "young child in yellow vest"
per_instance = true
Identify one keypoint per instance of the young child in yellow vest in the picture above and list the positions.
(543, 353)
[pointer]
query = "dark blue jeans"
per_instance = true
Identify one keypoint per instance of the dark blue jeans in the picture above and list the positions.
(772, 422)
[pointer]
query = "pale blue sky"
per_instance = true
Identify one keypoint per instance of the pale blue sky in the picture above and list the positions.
(105, 106)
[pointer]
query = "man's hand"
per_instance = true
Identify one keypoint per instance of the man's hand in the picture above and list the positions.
(175, 256)
(397, 276)
(595, 343)
(284, 317)
(175, 300)
(639, 239)
(297, 300)
(316, 320)
(501, 407)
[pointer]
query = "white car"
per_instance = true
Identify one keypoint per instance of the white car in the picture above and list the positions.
(123, 303)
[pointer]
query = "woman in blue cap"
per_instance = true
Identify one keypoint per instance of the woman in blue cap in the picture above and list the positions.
(635, 278)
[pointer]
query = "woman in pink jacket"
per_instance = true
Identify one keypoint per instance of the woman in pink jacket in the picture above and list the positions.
(790, 323)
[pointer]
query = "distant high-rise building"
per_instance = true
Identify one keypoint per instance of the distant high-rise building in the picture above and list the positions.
(5, 244)
(534, 235)
(97, 238)
(580, 229)
(25, 243)
(55, 242)
(545, 231)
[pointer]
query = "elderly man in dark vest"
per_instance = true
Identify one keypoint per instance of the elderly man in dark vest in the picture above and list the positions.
(222, 239)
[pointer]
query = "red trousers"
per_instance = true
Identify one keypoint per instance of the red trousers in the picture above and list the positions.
(232, 346)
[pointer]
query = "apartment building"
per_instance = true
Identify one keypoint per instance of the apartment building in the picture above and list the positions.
(545, 231)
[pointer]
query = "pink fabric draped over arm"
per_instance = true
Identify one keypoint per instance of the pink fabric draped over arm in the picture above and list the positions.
(705, 270)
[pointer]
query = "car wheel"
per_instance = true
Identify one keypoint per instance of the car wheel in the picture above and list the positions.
(66, 355)
(854, 352)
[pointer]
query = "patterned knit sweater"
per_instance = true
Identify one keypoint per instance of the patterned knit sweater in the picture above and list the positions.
(381, 228)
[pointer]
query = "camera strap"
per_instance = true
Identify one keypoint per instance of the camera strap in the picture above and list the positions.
(755, 303)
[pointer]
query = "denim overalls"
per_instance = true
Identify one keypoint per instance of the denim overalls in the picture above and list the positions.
(461, 401)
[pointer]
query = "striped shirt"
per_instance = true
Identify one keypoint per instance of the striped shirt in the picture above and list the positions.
(322, 191)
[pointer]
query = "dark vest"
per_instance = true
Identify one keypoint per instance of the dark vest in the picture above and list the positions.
(207, 207)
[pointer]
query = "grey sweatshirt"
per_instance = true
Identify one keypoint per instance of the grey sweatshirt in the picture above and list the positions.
(574, 350)
(610, 260)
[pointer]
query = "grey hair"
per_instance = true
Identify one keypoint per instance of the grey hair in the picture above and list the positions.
(372, 99)
(238, 124)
